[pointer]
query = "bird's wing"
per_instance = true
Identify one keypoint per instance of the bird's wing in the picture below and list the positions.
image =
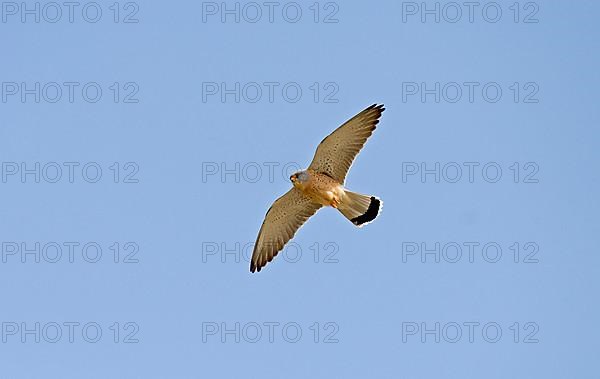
(337, 151)
(283, 219)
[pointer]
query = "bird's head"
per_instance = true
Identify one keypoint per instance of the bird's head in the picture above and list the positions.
(299, 178)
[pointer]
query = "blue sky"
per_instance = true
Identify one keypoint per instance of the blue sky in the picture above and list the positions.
(142, 143)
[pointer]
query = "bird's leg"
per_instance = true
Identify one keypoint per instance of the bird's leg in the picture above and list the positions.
(335, 202)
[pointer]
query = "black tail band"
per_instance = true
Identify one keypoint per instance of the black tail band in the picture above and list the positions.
(370, 214)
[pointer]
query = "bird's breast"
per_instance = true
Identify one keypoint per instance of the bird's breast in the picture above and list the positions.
(324, 190)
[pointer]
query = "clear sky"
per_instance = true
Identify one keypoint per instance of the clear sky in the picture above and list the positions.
(142, 143)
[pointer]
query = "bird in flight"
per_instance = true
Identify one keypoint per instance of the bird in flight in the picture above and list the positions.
(321, 184)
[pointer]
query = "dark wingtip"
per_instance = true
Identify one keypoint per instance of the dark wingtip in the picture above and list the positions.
(379, 107)
(370, 214)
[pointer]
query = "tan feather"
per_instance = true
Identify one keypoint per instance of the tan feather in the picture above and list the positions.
(282, 221)
(337, 151)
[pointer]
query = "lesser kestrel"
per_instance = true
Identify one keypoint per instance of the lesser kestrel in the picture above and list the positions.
(321, 184)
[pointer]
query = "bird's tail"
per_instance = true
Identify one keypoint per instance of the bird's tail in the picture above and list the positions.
(360, 209)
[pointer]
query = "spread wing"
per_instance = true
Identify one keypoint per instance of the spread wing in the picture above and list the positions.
(283, 219)
(337, 151)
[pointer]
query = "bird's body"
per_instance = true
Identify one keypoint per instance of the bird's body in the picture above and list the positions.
(321, 184)
(320, 188)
